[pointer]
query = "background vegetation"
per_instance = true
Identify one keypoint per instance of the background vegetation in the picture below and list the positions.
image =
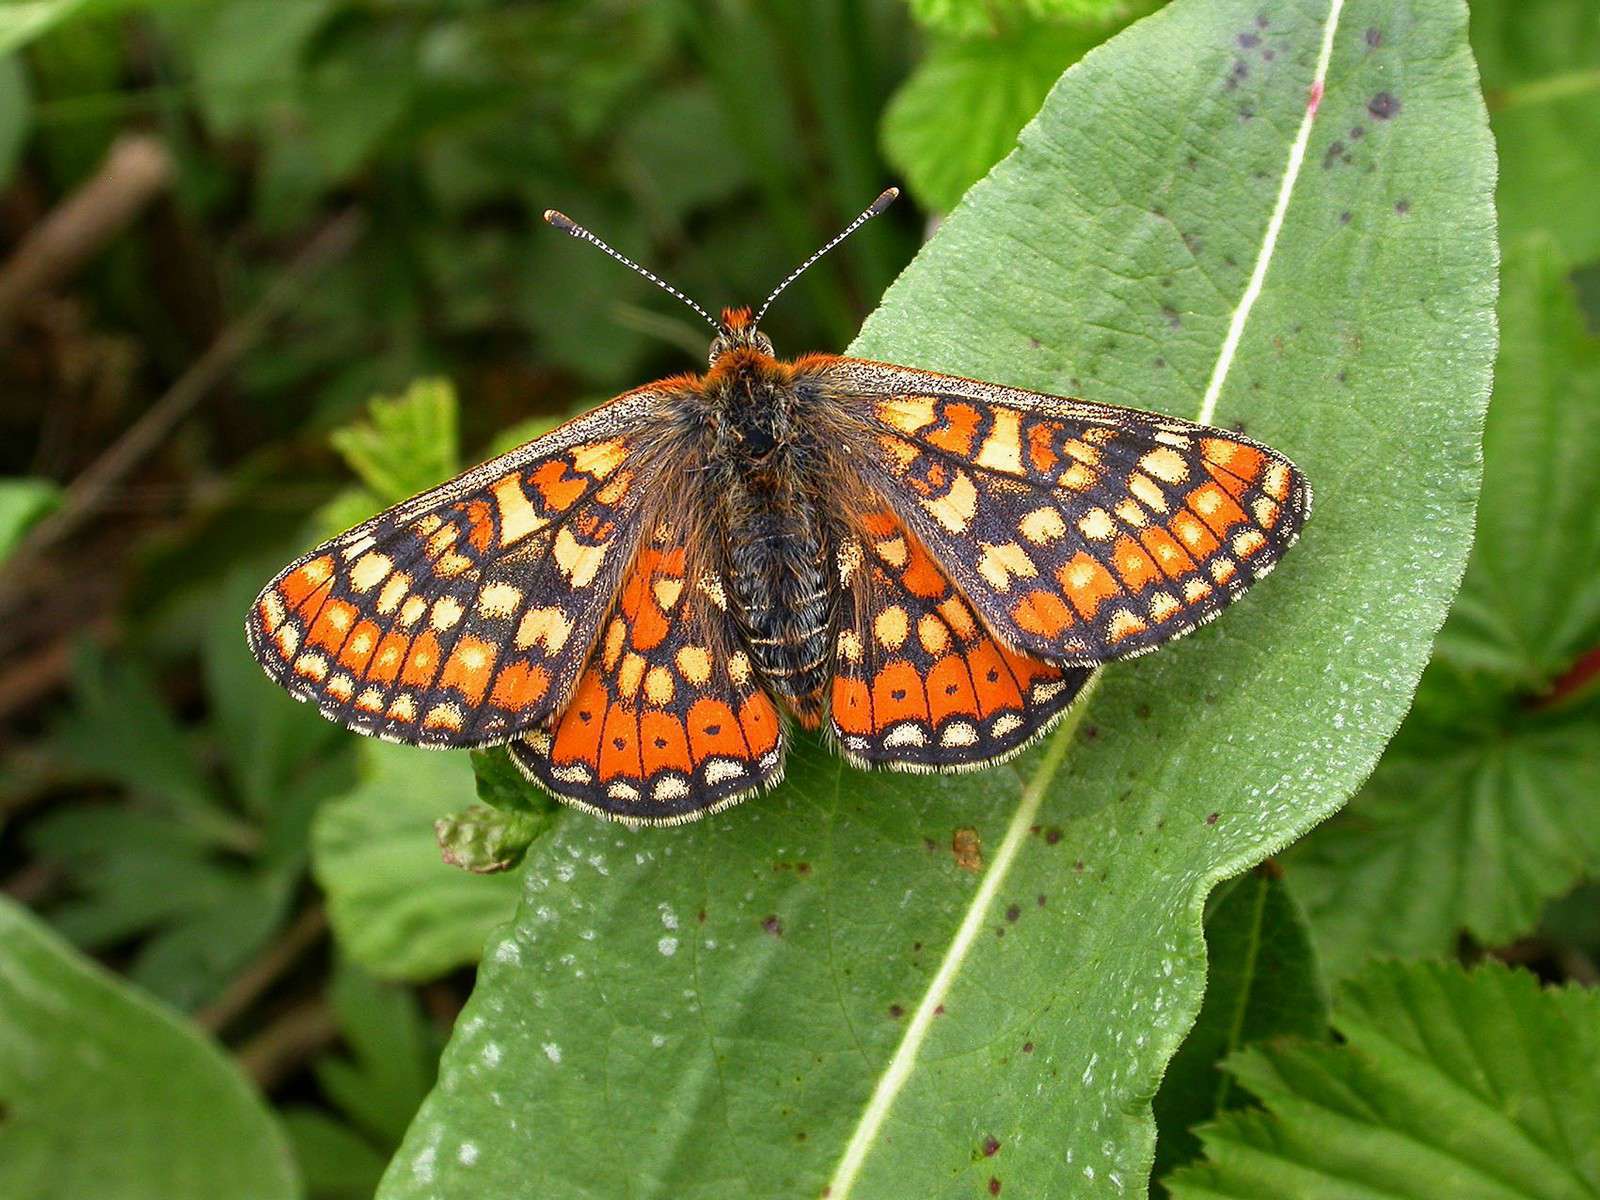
(268, 265)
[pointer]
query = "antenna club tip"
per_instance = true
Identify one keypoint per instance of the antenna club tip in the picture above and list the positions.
(885, 198)
(560, 220)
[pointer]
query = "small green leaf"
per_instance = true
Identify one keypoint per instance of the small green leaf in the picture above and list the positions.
(500, 785)
(487, 840)
(407, 444)
(104, 1092)
(1488, 802)
(961, 110)
(1262, 982)
(1474, 1085)
(972, 17)
(397, 908)
(22, 501)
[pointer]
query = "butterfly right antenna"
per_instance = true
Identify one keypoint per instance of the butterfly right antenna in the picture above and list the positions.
(568, 226)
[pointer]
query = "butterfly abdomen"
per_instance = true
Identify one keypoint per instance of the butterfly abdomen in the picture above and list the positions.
(767, 467)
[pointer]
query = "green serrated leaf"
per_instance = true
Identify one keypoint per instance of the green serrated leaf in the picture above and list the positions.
(106, 1093)
(1473, 1085)
(407, 444)
(961, 110)
(398, 909)
(1262, 981)
(1488, 803)
(803, 984)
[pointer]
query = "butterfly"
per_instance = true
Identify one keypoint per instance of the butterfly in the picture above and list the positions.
(640, 604)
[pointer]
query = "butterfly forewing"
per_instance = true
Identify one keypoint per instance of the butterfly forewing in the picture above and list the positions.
(919, 682)
(669, 720)
(466, 613)
(1081, 533)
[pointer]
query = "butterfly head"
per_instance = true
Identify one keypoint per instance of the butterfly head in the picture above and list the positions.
(737, 331)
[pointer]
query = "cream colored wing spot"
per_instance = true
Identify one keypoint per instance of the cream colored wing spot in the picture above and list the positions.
(517, 516)
(578, 562)
(956, 508)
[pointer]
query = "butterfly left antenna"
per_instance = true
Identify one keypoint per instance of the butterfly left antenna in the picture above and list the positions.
(885, 198)
(567, 225)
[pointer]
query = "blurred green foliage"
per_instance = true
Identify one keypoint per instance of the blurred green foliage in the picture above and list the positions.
(177, 818)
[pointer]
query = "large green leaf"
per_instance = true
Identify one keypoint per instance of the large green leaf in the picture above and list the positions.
(396, 906)
(105, 1093)
(810, 990)
(1488, 802)
(1475, 1086)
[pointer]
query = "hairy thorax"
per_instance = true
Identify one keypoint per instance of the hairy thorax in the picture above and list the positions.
(767, 462)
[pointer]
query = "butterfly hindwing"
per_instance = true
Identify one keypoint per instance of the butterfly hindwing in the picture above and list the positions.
(919, 682)
(1080, 532)
(668, 721)
(465, 614)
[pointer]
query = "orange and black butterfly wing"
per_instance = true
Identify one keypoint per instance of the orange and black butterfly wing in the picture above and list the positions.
(920, 683)
(669, 722)
(466, 613)
(1081, 533)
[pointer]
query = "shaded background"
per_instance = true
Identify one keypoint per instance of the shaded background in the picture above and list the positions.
(225, 228)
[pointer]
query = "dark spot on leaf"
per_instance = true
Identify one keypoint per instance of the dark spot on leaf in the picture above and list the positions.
(991, 1146)
(1247, 112)
(1344, 217)
(929, 845)
(1040, 899)
(1249, 41)
(1334, 153)
(1078, 866)
(1229, 261)
(772, 925)
(1159, 362)
(801, 1136)
(1383, 106)
(916, 947)
(1035, 342)
(896, 1011)
(1268, 54)
(1027, 1047)
(701, 916)
(1166, 281)
(967, 849)
(1142, 711)
(1090, 732)
(1374, 37)
(994, 1186)
(1357, 132)
(999, 931)
(1402, 207)
(938, 1010)
(1343, 377)
(802, 868)
(1211, 818)
(1171, 314)
(1158, 211)
(1193, 243)
(1073, 382)
(1191, 162)
(1052, 835)
(1013, 913)
(1261, 21)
